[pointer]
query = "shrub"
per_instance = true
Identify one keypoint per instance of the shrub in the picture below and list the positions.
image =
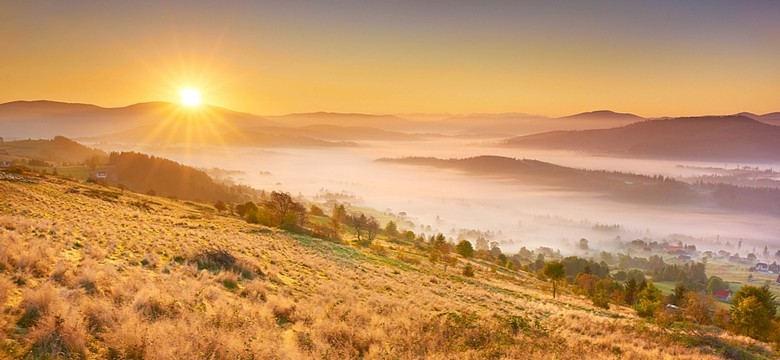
(468, 270)
(217, 261)
(6, 287)
(36, 303)
(59, 336)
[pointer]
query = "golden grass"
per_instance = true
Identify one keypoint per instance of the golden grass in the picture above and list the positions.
(83, 277)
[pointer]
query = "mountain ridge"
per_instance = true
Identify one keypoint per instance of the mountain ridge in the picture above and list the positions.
(729, 137)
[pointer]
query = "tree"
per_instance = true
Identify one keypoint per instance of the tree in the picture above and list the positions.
(391, 229)
(495, 250)
(555, 271)
(752, 311)
(359, 223)
(242, 209)
(339, 213)
(698, 307)
(372, 228)
(648, 300)
(481, 244)
(583, 244)
(464, 249)
(316, 210)
(439, 242)
(715, 283)
(283, 208)
(678, 295)
(220, 206)
(631, 289)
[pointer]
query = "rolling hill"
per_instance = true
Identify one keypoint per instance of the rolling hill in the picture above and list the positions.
(204, 133)
(111, 274)
(605, 115)
(709, 138)
(625, 187)
(57, 150)
(530, 124)
(46, 119)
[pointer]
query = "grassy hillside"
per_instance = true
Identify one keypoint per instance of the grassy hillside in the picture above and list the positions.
(91, 272)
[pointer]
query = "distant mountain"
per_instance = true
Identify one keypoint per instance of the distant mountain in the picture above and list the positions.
(207, 134)
(770, 118)
(604, 115)
(728, 138)
(45, 119)
(532, 124)
(384, 122)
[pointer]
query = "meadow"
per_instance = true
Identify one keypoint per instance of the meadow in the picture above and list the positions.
(88, 271)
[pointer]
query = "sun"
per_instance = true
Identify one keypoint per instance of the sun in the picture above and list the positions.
(190, 97)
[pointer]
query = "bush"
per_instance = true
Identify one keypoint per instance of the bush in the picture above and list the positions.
(468, 270)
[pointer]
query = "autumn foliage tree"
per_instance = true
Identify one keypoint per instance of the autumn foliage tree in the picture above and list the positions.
(555, 271)
(752, 311)
(465, 249)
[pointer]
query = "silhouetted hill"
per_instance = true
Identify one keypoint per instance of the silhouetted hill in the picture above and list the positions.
(200, 133)
(59, 150)
(384, 122)
(696, 138)
(626, 187)
(604, 115)
(531, 124)
(144, 173)
(45, 119)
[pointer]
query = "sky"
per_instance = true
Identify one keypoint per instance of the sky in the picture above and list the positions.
(651, 58)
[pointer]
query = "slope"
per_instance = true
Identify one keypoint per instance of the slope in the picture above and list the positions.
(84, 274)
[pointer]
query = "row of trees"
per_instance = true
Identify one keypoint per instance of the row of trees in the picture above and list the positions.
(753, 311)
(278, 209)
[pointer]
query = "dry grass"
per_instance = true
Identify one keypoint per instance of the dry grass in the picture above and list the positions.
(81, 277)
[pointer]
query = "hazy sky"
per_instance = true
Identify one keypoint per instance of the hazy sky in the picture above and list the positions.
(555, 58)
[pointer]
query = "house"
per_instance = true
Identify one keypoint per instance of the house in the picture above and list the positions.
(722, 295)
(723, 253)
(103, 174)
(684, 257)
(7, 164)
(763, 267)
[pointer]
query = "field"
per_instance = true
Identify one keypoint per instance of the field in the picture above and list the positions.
(88, 271)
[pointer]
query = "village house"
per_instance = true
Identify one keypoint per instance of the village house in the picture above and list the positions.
(762, 267)
(722, 295)
(103, 174)
(684, 257)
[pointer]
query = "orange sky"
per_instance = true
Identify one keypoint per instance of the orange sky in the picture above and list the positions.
(438, 57)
